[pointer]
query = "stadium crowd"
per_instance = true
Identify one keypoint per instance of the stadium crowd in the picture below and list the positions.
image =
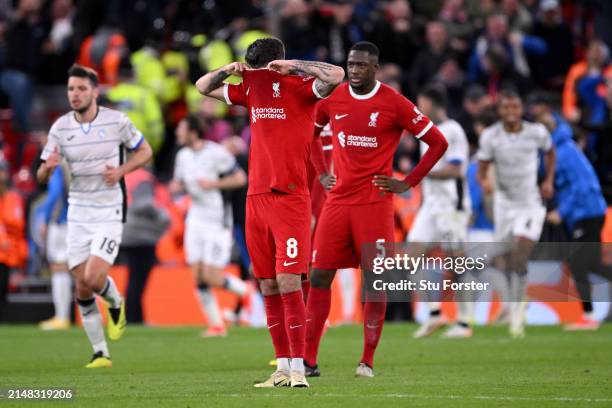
(149, 54)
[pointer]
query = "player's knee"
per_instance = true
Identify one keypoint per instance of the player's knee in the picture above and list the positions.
(288, 282)
(268, 287)
(321, 278)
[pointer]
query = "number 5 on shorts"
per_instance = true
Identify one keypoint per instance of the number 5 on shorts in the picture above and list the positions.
(292, 248)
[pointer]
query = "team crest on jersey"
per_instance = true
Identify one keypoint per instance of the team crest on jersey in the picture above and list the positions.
(419, 116)
(101, 134)
(276, 89)
(373, 119)
(342, 139)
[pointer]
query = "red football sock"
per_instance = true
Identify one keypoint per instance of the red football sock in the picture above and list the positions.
(295, 322)
(373, 320)
(317, 310)
(275, 315)
(305, 290)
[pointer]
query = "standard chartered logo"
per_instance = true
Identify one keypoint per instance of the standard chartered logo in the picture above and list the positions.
(267, 113)
(357, 141)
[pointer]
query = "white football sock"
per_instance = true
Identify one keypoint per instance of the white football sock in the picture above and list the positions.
(211, 309)
(111, 294)
(282, 364)
(61, 286)
(297, 364)
(92, 323)
(235, 285)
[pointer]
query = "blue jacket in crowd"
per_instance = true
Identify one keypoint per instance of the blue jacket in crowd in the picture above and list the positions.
(481, 221)
(577, 189)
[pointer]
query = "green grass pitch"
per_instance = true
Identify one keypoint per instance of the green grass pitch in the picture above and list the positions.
(162, 367)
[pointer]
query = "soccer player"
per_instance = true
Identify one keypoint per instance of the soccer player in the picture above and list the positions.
(281, 110)
(203, 169)
(93, 140)
(367, 119)
(445, 211)
(55, 210)
(513, 145)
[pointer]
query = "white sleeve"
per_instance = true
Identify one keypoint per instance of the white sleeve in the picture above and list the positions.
(457, 151)
(544, 138)
(225, 161)
(178, 167)
(53, 143)
(129, 135)
(485, 146)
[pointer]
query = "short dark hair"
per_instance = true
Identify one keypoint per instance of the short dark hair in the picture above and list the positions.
(195, 124)
(84, 72)
(366, 46)
(436, 94)
(509, 93)
(263, 51)
(487, 117)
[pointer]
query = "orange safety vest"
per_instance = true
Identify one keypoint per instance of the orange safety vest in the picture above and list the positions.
(13, 245)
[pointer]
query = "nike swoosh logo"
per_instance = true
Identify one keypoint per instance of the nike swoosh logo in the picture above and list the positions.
(289, 264)
(369, 326)
(295, 327)
(276, 324)
(248, 90)
(69, 138)
(341, 116)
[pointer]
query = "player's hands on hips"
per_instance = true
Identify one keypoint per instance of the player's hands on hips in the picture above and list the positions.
(112, 175)
(53, 160)
(235, 68)
(283, 67)
(547, 190)
(554, 217)
(328, 181)
(389, 184)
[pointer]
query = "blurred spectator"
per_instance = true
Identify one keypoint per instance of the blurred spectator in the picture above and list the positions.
(475, 101)
(397, 34)
(57, 49)
(390, 74)
(140, 105)
(602, 14)
(146, 223)
(339, 30)
(519, 18)
(429, 60)
(550, 70)
(103, 52)
(13, 247)
(500, 53)
(595, 64)
(460, 29)
(579, 205)
(23, 40)
(296, 30)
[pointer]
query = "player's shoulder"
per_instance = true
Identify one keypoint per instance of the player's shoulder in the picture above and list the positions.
(454, 127)
(63, 123)
(534, 127)
(183, 153)
(216, 148)
(492, 131)
(111, 116)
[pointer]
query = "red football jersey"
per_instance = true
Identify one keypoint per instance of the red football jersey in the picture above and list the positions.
(366, 132)
(281, 111)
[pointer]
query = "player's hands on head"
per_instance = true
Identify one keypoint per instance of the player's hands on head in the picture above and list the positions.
(389, 184)
(283, 67)
(112, 175)
(328, 181)
(53, 160)
(236, 68)
(547, 190)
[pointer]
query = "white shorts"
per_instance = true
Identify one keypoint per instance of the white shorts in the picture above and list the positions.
(526, 222)
(99, 239)
(210, 245)
(433, 226)
(57, 243)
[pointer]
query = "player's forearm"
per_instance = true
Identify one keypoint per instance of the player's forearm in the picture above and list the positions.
(437, 147)
(551, 163)
(212, 80)
(482, 173)
(449, 171)
(235, 180)
(317, 157)
(43, 173)
(328, 75)
(139, 158)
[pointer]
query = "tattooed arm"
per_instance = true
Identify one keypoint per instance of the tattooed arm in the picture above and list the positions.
(328, 76)
(211, 83)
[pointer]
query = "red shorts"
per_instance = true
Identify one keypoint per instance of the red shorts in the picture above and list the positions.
(278, 233)
(343, 229)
